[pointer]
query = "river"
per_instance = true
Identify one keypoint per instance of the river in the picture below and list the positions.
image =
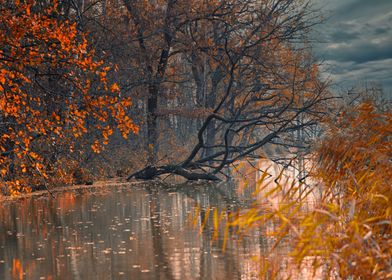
(127, 231)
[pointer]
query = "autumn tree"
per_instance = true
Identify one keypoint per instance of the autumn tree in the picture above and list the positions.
(187, 62)
(53, 91)
(260, 84)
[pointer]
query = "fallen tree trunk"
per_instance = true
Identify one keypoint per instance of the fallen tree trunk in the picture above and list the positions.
(151, 172)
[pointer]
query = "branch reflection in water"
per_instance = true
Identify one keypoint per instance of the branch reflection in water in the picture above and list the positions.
(117, 232)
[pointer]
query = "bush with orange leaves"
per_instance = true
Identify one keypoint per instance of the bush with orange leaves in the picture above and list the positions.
(53, 94)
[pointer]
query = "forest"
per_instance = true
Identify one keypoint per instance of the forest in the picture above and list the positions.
(206, 93)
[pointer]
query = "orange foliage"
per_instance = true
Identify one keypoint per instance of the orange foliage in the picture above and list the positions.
(51, 86)
(17, 269)
(356, 169)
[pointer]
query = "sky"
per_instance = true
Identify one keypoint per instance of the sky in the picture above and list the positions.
(355, 42)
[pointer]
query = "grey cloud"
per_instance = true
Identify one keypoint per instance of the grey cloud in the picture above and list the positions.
(361, 8)
(344, 35)
(348, 74)
(382, 30)
(360, 51)
(357, 40)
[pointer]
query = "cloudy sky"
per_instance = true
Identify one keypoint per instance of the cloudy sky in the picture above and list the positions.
(356, 42)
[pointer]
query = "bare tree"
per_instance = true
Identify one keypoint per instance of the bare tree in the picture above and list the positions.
(261, 87)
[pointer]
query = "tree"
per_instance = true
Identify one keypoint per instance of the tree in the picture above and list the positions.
(262, 84)
(53, 91)
(154, 20)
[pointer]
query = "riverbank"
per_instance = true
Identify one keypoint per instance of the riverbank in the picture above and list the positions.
(60, 189)
(106, 185)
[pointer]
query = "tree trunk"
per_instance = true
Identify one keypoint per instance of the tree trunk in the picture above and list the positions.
(152, 129)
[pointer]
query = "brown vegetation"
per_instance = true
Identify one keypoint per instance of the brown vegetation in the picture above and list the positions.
(344, 233)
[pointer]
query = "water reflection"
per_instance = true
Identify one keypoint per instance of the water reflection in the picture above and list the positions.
(124, 232)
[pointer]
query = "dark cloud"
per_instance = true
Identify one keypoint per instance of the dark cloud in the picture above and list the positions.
(382, 30)
(344, 35)
(357, 40)
(348, 74)
(349, 9)
(359, 52)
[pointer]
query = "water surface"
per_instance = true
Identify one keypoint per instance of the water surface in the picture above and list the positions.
(125, 232)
